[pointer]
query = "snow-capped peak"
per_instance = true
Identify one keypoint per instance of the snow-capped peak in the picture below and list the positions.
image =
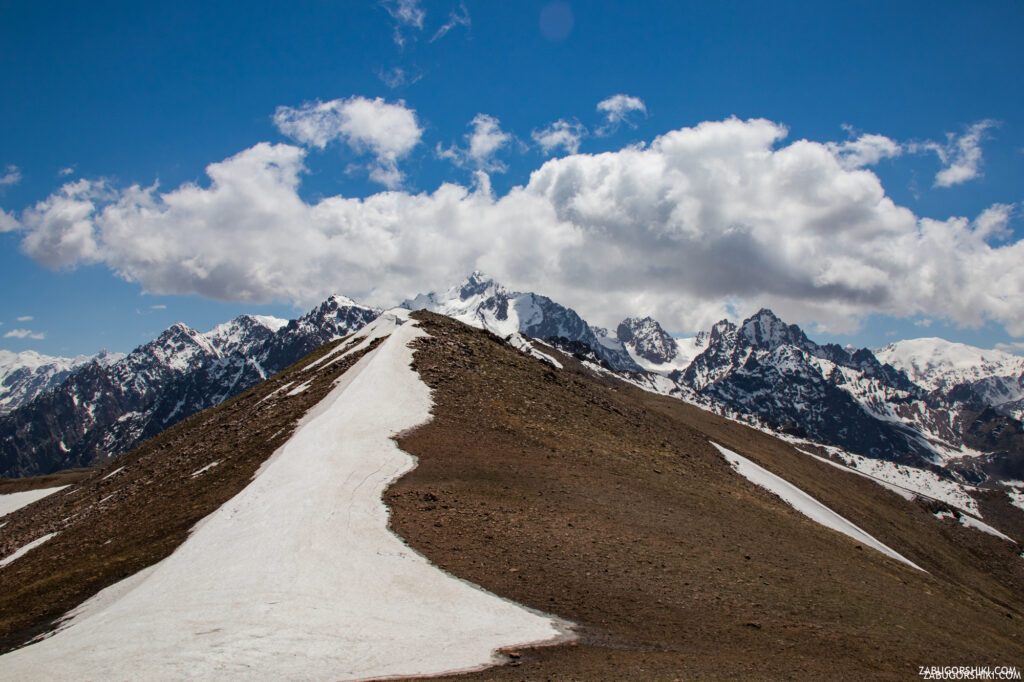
(480, 301)
(269, 321)
(243, 333)
(477, 283)
(177, 349)
(340, 301)
(764, 329)
(936, 363)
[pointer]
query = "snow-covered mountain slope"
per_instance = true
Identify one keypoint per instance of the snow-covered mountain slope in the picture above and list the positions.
(25, 375)
(937, 364)
(769, 372)
(298, 575)
(101, 410)
(481, 302)
(645, 338)
(962, 376)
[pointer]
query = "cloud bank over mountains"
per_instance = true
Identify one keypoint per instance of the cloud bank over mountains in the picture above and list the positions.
(703, 222)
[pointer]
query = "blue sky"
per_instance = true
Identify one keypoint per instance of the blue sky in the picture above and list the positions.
(154, 92)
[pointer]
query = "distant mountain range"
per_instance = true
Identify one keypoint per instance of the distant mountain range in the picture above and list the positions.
(104, 408)
(926, 402)
(25, 375)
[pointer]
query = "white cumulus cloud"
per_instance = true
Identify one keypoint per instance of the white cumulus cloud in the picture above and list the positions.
(386, 130)
(483, 142)
(24, 318)
(561, 133)
(703, 222)
(961, 155)
(617, 109)
(865, 150)
(61, 230)
(994, 222)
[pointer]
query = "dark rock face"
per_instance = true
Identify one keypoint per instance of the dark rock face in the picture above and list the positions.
(559, 323)
(771, 370)
(648, 339)
(100, 411)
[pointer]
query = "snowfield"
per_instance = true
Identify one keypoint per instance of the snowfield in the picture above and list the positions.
(298, 577)
(805, 504)
(12, 502)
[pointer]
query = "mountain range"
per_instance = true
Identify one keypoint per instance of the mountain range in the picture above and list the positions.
(926, 402)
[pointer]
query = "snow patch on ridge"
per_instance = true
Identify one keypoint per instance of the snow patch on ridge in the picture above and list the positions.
(113, 473)
(298, 576)
(379, 328)
(902, 492)
(203, 470)
(919, 481)
(971, 522)
(900, 478)
(523, 345)
(805, 504)
(1015, 492)
(23, 550)
(300, 388)
(12, 502)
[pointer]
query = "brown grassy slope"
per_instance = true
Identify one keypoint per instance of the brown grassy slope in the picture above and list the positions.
(595, 501)
(112, 527)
